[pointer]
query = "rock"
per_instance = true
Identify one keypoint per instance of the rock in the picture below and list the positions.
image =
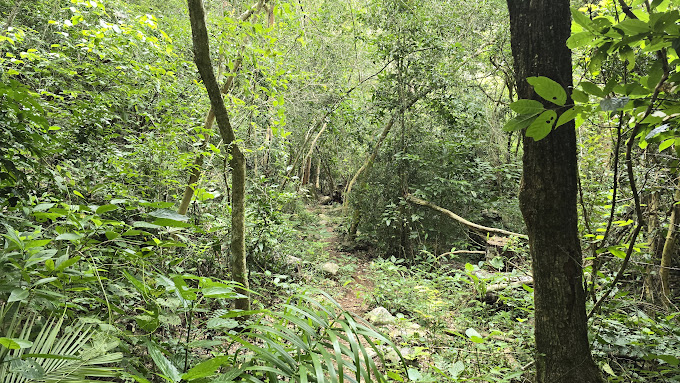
(325, 200)
(330, 268)
(371, 353)
(407, 330)
(392, 356)
(292, 260)
(379, 316)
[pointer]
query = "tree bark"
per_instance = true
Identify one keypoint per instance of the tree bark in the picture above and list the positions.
(652, 284)
(237, 161)
(539, 30)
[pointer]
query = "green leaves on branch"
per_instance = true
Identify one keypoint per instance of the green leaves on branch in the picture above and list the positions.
(534, 116)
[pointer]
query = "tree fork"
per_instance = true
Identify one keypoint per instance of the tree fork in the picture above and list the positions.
(237, 161)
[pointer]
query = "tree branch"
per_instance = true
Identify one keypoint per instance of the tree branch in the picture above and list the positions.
(450, 214)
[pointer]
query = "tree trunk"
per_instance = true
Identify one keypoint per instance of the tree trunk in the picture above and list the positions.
(317, 177)
(652, 284)
(669, 249)
(237, 161)
(539, 30)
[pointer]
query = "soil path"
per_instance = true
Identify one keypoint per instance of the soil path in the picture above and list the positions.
(355, 296)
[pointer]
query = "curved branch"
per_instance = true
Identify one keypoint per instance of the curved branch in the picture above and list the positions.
(472, 225)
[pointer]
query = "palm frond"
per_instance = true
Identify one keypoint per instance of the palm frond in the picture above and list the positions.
(71, 355)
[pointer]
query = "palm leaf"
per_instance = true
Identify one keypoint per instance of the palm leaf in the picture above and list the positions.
(69, 355)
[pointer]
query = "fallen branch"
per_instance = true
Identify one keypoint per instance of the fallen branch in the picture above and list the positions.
(524, 280)
(463, 252)
(462, 220)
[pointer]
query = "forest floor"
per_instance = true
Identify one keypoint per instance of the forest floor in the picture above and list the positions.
(355, 274)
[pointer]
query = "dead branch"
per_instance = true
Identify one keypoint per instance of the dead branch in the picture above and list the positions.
(472, 225)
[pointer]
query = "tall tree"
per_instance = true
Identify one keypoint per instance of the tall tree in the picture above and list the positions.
(237, 160)
(539, 30)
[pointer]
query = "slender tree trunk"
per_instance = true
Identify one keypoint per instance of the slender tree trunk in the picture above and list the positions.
(210, 119)
(317, 177)
(386, 130)
(652, 284)
(668, 250)
(539, 30)
(237, 161)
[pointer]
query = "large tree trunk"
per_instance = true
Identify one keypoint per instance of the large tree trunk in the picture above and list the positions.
(539, 30)
(237, 161)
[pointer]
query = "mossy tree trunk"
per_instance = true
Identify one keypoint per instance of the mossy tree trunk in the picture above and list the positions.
(237, 160)
(539, 30)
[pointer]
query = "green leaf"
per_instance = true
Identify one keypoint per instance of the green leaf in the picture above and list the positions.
(183, 289)
(520, 122)
(566, 116)
(474, 335)
(221, 323)
(632, 27)
(105, 208)
(549, 89)
(143, 224)
(69, 236)
(542, 126)
(591, 88)
(171, 223)
(582, 20)
(579, 96)
(666, 144)
(15, 343)
(527, 107)
(580, 39)
(219, 292)
(670, 359)
(69, 262)
(165, 213)
(206, 368)
(596, 61)
(167, 368)
(608, 369)
(617, 252)
(613, 103)
(111, 235)
(18, 295)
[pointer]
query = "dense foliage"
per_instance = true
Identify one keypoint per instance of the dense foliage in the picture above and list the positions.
(103, 121)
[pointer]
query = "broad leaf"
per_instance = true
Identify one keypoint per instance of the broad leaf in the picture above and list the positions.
(580, 39)
(69, 236)
(613, 103)
(565, 117)
(549, 89)
(591, 88)
(520, 122)
(207, 368)
(474, 335)
(166, 367)
(582, 20)
(527, 107)
(15, 343)
(165, 213)
(105, 208)
(542, 126)
(18, 295)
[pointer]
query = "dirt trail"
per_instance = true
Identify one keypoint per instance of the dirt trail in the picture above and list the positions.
(355, 296)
